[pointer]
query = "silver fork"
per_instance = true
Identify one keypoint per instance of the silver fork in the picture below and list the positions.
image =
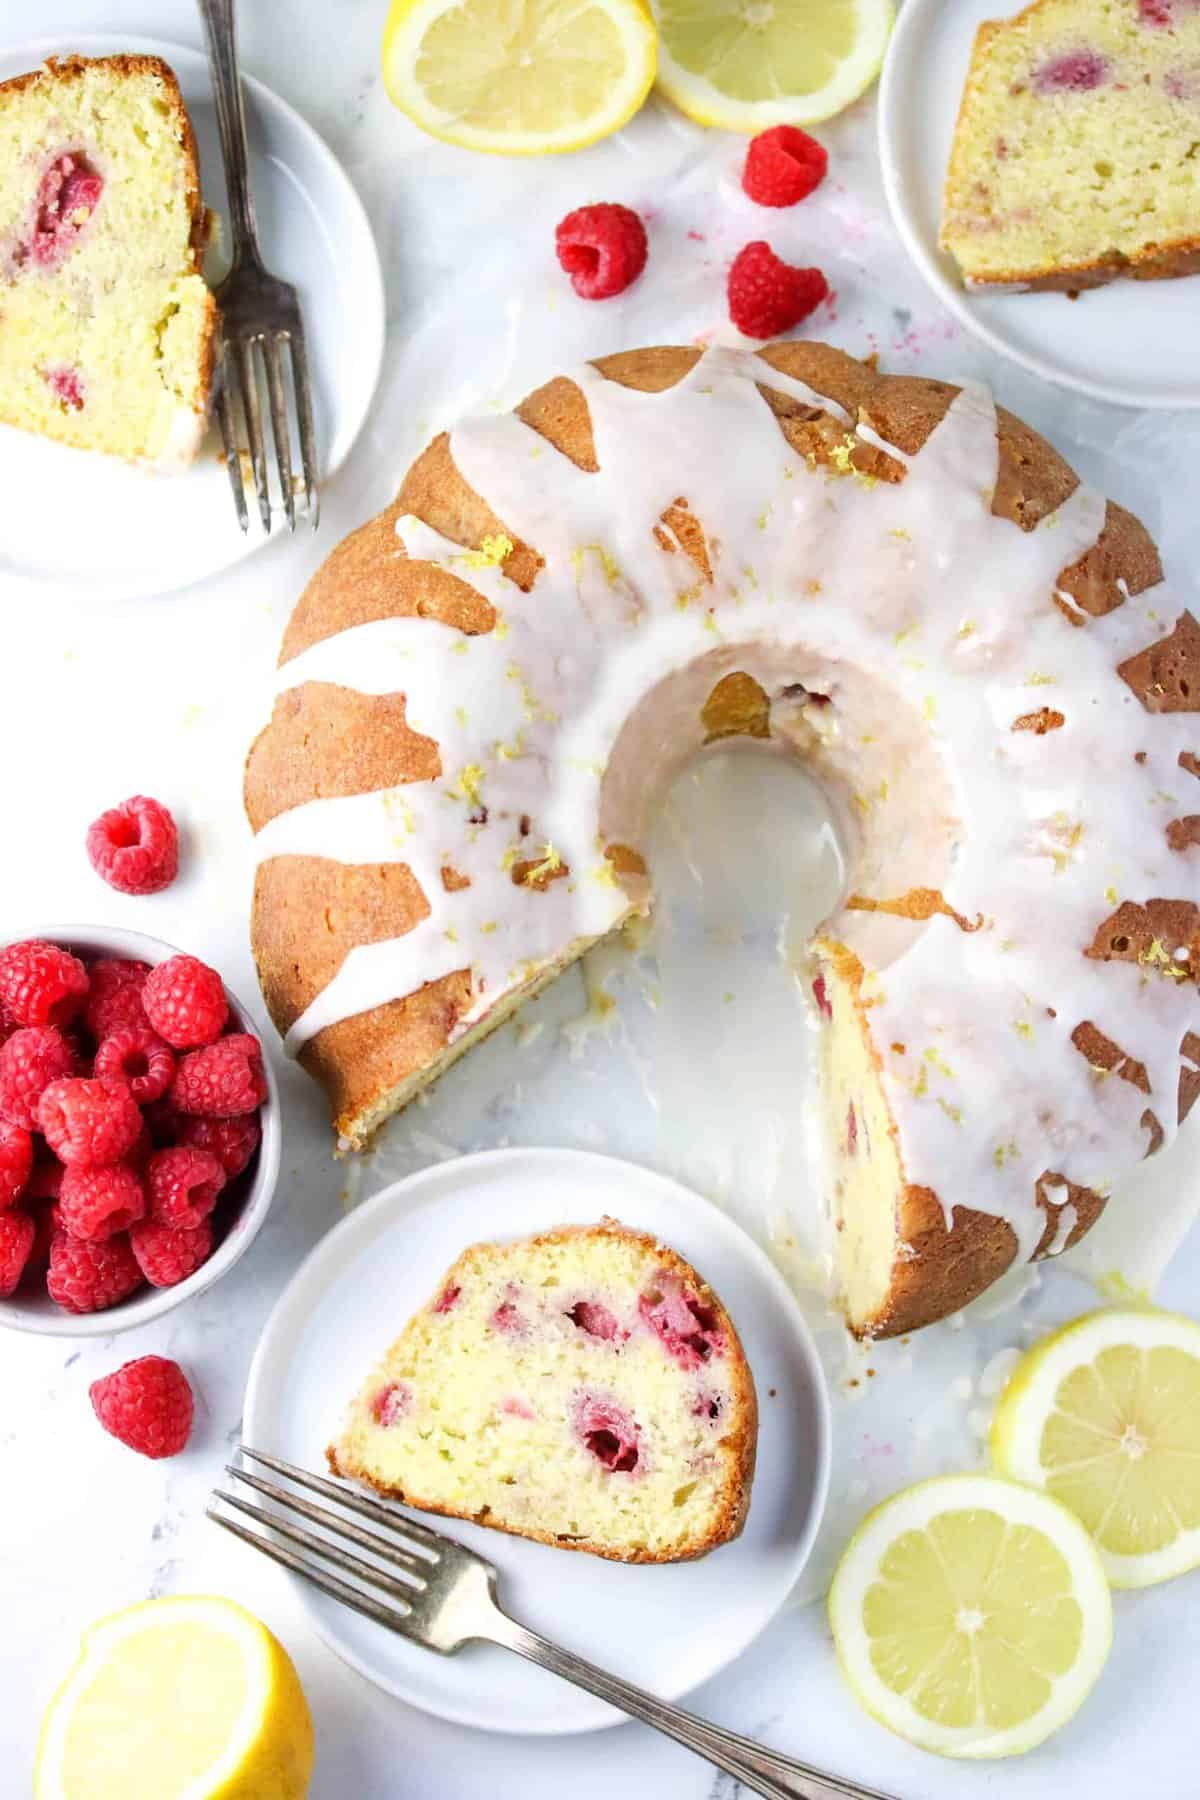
(256, 309)
(442, 1596)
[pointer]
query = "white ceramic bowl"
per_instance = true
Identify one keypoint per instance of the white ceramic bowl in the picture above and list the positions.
(28, 1310)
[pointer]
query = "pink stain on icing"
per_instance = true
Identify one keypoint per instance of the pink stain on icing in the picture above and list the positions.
(687, 1327)
(1078, 73)
(595, 1318)
(517, 1408)
(446, 1299)
(391, 1403)
(605, 1428)
(821, 996)
(67, 196)
(66, 383)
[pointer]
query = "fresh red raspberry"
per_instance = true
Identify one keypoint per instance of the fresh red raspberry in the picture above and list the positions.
(16, 1161)
(87, 1277)
(147, 1405)
(17, 1232)
(7, 1023)
(41, 984)
(90, 1121)
(767, 296)
(115, 1002)
(31, 1059)
(223, 1080)
(97, 1203)
(166, 1254)
(182, 1186)
(185, 1002)
(139, 1056)
(783, 165)
(45, 1183)
(602, 248)
(135, 846)
(232, 1141)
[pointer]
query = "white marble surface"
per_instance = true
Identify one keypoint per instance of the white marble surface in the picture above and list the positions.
(103, 700)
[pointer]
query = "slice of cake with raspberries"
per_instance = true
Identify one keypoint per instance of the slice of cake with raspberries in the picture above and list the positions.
(584, 1387)
(106, 323)
(1076, 157)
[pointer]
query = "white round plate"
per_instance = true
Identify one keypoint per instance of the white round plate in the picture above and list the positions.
(74, 520)
(1133, 342)
(666, 1627)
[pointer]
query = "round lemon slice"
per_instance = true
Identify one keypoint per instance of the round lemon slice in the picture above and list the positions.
(971, 1615)
(746, 64)
(522, 78)
(186, 1698)
(1105, 1415)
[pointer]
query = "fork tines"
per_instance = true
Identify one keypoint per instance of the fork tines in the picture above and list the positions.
(411, 1549)
(237, 386)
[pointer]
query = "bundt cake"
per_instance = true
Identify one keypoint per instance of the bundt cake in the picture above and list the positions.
(585, 1388)
(106, 325)
(1075, 157)
(482, 691)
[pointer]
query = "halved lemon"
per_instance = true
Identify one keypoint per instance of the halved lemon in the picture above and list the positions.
(971, 1615)
(185, 1698)
(746, 64)
(1105, 1415)
(519, 77)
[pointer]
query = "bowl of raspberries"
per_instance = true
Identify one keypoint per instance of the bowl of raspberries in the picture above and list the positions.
(139, 1130)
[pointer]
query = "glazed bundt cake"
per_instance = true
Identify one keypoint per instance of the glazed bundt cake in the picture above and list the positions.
(106, 325)
(585, 1388)
(1075, 156)
(482, 691)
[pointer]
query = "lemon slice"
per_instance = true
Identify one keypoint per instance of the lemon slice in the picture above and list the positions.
(519, 77)
(746, 64)
(187, 1698)
(971, 1615)
(1105, 1415)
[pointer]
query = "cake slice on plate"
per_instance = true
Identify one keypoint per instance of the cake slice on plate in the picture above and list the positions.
(106, 324)
(585, 1388)
(1076, 157)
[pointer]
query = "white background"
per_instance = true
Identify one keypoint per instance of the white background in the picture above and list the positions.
(101, 700)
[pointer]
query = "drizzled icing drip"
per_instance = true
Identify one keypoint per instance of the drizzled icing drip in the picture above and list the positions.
(928, 622)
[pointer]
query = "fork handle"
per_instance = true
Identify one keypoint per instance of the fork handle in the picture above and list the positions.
(760, 1770)
(221, 37)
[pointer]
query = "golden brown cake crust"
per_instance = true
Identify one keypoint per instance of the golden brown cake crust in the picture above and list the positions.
(741, 1441)
(365, 1061)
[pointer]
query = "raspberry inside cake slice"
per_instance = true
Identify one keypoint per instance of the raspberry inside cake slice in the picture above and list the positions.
(106, 324)
(1076, 157)
(585, 1388)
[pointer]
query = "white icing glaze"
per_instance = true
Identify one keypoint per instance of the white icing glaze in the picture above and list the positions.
(924, 618)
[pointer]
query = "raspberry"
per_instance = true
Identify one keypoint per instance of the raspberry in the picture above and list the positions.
(31, 1059)
(602, 248)
(97, 1203)
(783, 165)
(139, 1056)
(115, 1002)
(16, 1162)
(135, 846)
(89, 1121)
(7, 1023)
(182, 1186)
(166, 1254)
(17, 1232)
(185, 1002)
(232, 1141)
(222, 1080)
(147, 1405)
(767, 296)
(88, 1277)
(41, 984)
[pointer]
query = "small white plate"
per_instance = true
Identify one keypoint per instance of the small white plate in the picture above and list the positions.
(74, 520)
(665, 1627)
(1133, 342)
